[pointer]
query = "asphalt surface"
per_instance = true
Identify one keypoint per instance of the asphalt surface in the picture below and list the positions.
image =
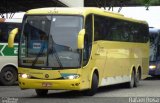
(147, 92)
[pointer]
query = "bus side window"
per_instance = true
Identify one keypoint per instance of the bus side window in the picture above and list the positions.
(3, 28)
(117, 31)
(1, 37)
(101, 26)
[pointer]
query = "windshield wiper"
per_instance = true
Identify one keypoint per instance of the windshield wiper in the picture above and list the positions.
(39, 54)
(53, 51)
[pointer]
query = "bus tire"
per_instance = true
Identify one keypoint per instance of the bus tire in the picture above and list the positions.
(8, 76)
(41, 92)
(94, 86)
(130, 84)
(137, 79)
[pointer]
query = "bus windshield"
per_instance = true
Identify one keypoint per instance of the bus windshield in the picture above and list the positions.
(154, 39)
(50, 41)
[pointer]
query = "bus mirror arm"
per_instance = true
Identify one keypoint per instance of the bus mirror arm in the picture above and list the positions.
(11, 38)
(80, 41)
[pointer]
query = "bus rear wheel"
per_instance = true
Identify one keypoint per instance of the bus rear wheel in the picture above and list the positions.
(94, 86)
(8, 76)
(137, 79)
(41, 92)
(130, 84)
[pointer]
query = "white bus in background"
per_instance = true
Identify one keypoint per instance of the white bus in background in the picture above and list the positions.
(8, 56)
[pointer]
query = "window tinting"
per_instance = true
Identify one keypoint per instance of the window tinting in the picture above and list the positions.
(106, 28)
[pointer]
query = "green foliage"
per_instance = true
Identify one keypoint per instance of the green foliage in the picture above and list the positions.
(155, 2)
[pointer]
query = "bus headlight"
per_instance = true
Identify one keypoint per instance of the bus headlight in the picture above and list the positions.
(24, 75)
(152, 66)
(74, 76)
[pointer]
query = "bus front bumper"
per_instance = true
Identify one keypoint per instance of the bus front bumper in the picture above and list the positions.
(63, 84)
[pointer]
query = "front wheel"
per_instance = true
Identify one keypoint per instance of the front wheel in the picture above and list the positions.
(41, 92)
(94, 86)
(8, 76)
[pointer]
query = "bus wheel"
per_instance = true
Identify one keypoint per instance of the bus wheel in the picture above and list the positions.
(137, 79)
(130, 84)
(94, 86)
(41, 92)
(8, 76)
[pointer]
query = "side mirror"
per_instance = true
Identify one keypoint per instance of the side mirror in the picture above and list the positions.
(80, 42)
(11, 37)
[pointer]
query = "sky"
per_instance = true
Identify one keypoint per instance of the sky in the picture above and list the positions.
(152, 16)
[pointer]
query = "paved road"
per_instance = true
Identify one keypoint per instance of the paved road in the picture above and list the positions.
(110, 94)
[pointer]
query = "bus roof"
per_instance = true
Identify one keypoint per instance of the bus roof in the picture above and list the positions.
(3, 20)
(81, 11)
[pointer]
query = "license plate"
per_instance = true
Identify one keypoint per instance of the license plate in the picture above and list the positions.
(46, 84)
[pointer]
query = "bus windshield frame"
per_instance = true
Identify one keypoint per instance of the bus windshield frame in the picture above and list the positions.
(50, 47)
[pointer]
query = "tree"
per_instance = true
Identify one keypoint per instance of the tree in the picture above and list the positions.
(139, 2)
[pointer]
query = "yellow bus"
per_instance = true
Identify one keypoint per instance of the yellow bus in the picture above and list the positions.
(80, 49)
